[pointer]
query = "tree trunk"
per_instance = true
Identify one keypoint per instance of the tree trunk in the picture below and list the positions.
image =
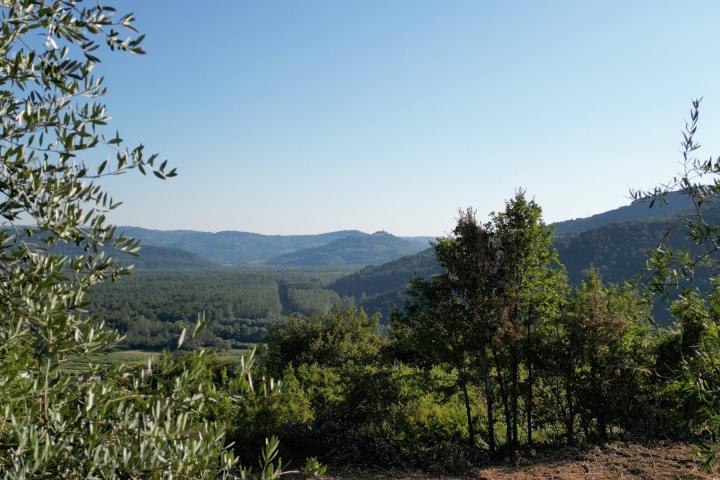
(570, 420)
(504, 396)
(530, 380)
(529, 402)
(515, 389)
(489, 401)
(489, 406)
(468, 411)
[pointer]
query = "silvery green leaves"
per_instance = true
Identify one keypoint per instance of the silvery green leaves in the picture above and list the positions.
(695, 271)
(699, 179)
(119, 423)
(58, 420)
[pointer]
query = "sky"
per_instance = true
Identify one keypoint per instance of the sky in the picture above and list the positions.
(290, 117)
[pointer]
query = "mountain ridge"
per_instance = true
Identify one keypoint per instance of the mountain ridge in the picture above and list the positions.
(375, 248)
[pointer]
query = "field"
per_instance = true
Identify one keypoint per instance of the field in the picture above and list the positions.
(138, 357)
(618, 460)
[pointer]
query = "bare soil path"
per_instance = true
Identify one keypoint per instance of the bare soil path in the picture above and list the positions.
(614, 461)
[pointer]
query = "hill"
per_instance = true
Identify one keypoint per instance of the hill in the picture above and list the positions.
(380, 279)
(380, 247)
(617, 250)
(245, 248)
(149, 258)
(234, 248)
(677, 203)
(164, 258)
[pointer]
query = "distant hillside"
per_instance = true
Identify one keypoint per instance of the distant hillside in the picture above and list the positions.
(379, 279)
(424, 241)
(234, 248)
(163, 258)
(617, 250)
(353, 247)
(380, 247)
(150, 258)
(637, 210)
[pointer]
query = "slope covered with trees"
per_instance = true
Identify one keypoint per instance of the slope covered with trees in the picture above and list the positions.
(618, 251)
(639, 210)
(380, 247)
(235, 248)
(152, 307)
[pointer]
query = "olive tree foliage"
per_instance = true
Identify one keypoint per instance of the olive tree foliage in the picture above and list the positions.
(699, 180)
(672, 268)
(56, 421)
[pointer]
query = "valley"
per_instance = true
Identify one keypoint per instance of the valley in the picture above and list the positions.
(309, 274)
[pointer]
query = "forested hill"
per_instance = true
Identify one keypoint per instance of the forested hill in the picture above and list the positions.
(234, 248)
(148, 258)
(380, 247)
(345, 247)
(332, 249)
(617, 250)
(637, 210)
(164, 258)
(379, 279)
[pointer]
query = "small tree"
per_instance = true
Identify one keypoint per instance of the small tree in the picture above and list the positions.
(531, 284)
(450, 319)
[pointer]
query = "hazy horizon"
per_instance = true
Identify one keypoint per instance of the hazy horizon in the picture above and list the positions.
(482, 215)
(290, 118)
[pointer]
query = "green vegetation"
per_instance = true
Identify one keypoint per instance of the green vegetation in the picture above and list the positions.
(139, 358)
(674, 204)
(151, 308)
(496, 352)
(103, 420)
(618, 251)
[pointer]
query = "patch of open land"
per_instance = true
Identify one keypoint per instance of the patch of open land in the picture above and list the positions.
(617, 460)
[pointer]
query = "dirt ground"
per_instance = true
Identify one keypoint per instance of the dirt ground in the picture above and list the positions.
(613, 461)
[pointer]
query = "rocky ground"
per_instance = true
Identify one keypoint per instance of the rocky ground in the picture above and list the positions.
(614, 461)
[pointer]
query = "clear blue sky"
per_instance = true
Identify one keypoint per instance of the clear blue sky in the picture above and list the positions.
(310, 116)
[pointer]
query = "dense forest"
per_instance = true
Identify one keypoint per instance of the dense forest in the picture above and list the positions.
(152, 307)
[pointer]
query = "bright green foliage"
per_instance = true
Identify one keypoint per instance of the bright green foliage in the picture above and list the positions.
(596, 355)
(344, 399)
(531, 284)
(493, 353)
(151, 307)
(481, 316)
(449, 320)
(343, 338)
(688, 356)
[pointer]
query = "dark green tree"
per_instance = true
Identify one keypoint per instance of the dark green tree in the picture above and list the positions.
(531, 285)
(450, 319)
